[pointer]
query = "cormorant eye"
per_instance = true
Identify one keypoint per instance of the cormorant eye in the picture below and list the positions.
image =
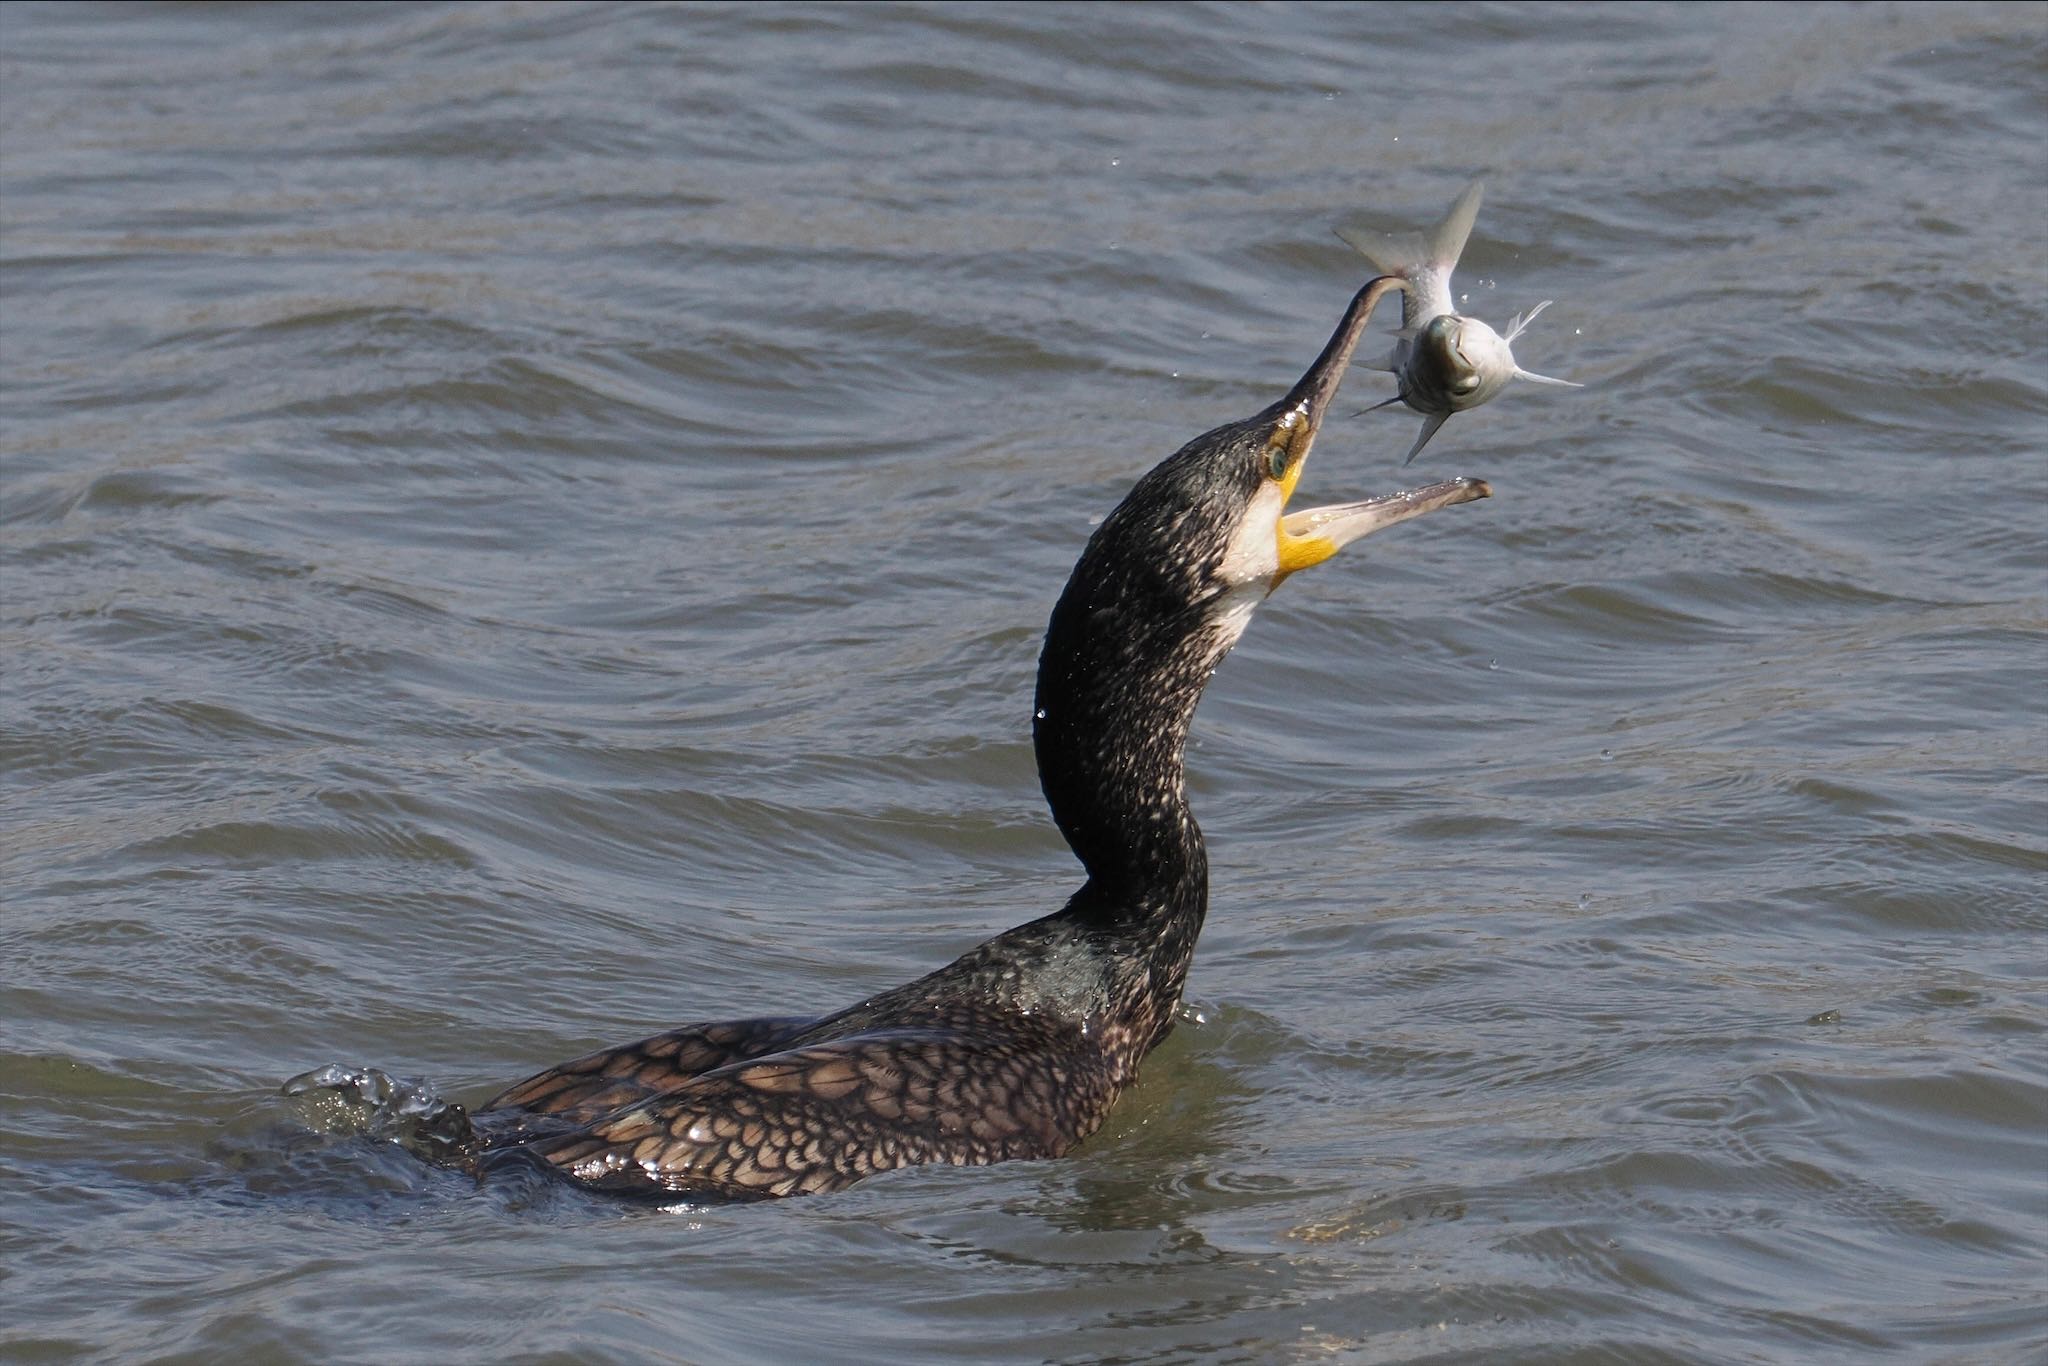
(1288, 441)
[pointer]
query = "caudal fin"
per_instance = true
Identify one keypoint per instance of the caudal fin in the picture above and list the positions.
(1425, 263)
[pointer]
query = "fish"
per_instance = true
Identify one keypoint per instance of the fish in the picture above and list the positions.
(1444, 361)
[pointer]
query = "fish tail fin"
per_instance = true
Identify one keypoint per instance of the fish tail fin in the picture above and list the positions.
(1391, 253)
(1424, 262)
(1447, 239)
(1404, 253)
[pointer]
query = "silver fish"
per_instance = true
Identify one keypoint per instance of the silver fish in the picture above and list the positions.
(1445, 361)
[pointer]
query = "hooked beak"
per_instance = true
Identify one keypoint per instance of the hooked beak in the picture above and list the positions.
(1310, 398)
(1311, 536)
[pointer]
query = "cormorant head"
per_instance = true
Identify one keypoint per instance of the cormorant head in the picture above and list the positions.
(1208, 531)
(1169, 580)
(1165, 587)
(1265, 456)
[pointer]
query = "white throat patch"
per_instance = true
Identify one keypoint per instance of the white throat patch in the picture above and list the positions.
(1250, 562)
(1253, 554)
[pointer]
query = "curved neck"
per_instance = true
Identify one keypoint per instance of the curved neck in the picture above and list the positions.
(1125, 661)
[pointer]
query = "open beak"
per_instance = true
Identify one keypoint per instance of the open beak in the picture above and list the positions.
(1314, 535)
(1340, 524)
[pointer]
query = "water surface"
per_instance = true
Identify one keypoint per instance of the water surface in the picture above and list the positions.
(527, 525)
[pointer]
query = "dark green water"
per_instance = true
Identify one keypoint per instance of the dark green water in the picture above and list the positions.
(525, 525)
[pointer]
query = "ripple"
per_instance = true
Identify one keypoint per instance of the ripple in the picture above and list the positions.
(500, 561)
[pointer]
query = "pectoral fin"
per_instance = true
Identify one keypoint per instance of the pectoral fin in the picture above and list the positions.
(1520, 321)
(1429, 426)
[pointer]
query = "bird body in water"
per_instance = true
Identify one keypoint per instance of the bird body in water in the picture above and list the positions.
(1018, 1048)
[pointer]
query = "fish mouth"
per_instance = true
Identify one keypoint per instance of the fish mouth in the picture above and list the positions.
(1444, 342)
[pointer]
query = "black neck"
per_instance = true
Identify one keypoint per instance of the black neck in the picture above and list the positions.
(1126, 658)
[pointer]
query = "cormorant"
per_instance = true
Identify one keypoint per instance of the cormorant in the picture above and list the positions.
(1019, 1048)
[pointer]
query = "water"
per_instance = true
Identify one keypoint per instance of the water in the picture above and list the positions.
(524, 526)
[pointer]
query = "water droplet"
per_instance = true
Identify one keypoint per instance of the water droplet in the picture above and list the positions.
(1116, 161)
(1040, 713)
(1585, 900)
(1493, 664)
(1606, 756)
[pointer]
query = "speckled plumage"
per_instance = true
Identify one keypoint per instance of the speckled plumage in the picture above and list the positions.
(1018, 1048)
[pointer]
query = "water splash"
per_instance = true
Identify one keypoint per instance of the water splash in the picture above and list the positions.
(338, 1099)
